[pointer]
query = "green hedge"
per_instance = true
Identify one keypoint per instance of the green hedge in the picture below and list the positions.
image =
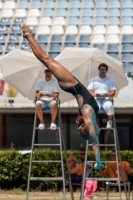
(14, 167)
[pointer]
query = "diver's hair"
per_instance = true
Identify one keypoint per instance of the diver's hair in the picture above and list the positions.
(81, 125)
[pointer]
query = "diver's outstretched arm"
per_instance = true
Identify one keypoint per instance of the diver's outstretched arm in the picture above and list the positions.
(90, 120)
(95, 145)
(63, 76)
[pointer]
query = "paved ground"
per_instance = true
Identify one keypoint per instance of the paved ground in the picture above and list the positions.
(22, 196)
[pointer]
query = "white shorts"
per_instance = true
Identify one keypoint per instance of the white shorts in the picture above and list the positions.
(44, 104)
(106, 104)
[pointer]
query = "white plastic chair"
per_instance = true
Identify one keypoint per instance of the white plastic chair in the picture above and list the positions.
(45, 21)
(10, 4)
(57, 30)
(108, 184)
(34, 13)
(99, 30)
(43, 30)
(20, 13)
(71, 30)
(59, 21)
(32, 21)
(85, 30)
(1, 5)
(113, 30)
(127, 30)
(112, 39)
(98, 39)
(7, 13)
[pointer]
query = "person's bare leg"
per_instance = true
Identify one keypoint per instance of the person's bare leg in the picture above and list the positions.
(54, 110)
(71, 161)
(122, 171)
(111, 172)
(77, 170)
(110, 117)
(63, 76)
(71, 165)
(39, 113)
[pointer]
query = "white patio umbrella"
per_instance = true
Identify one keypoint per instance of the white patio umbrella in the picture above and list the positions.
(21, 70)
(83, 64)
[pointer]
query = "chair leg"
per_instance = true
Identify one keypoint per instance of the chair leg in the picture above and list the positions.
(107, 192)
(129, 191)
(70, 189)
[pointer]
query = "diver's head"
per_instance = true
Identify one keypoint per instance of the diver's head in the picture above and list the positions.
(83, 130)
(81, 125)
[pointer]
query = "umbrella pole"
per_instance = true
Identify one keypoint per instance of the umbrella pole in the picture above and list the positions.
(11, 101)
(89, 70)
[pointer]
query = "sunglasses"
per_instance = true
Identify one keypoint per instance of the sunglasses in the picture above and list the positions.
(103, 70)
(47, 71)
(82, 153)
(113, 155)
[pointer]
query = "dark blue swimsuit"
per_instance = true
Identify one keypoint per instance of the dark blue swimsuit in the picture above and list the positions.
(88, 99)
(80, 89)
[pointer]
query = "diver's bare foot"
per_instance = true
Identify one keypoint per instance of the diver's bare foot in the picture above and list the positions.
(26, 31)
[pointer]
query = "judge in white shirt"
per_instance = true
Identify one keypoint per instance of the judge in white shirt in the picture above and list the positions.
(47, 89)
(103, 87)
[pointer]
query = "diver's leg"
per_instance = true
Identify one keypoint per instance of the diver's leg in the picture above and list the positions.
(63, 76)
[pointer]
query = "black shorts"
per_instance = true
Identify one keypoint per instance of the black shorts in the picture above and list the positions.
(76, 178)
